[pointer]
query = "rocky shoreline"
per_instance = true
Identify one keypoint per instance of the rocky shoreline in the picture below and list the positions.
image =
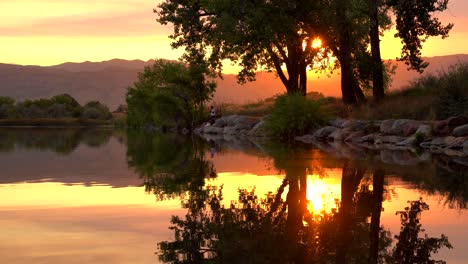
(448, 137)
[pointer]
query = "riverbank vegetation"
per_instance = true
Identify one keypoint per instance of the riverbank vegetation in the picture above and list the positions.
(169, 95)
(59, 110)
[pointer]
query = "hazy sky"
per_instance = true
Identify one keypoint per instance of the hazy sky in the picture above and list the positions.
(50, 32)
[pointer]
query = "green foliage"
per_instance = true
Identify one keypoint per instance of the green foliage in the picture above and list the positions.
(296, 115)
(7, 105)
(419, 138)
(96, 110)
(415, 23)
(169, 94)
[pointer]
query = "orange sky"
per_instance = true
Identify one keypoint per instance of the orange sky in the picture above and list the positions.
(49, 32)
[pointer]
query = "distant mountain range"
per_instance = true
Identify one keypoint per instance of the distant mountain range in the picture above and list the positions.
(108, 81)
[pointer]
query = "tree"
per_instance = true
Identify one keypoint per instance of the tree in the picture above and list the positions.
(415, 23)
(257, 34)
(169, 94)
(7, 105)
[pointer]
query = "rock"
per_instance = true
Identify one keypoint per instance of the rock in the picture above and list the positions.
(229, 130)
(386, 126)
(220, 122)
(213, 130)
(388, 140)
(258, 130)
(445, 127)
(339, 122)
(424, 130)
(354, 136)
(457, 121)
(339, 134)
(404, 127)
(324, 132)
(407, 142)
(306, 139)
(354, 125)
(368, 138)
(460, 131)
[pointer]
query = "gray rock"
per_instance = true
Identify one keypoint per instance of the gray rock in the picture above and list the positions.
(229, 130)
(324, 132)
(339, 122)
(407, 142)
(388, 140)
(354, 136)
(425, 130)
(213, 130)
(339, 134)
(306, 138)
(460, 131)
(258, 130)
(368, 138)
(354, 125)
(404, 127)
(220, 122)
(386, 126)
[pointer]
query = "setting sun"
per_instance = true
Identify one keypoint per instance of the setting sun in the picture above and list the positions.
(316, 43)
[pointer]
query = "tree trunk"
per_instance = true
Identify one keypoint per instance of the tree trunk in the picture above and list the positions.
(377, 193)
(344, 56)
(350, 180)
(377, 75)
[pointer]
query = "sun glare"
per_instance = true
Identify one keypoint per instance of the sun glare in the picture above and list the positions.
(322, 194)
(316, 43)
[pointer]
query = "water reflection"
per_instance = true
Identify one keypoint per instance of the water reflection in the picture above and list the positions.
(60, 140)
(281, 226)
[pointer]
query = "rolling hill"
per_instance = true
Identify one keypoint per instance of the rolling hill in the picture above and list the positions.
(107, 81)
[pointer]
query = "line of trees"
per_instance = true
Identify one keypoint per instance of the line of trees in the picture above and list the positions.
(277, 35)
(59, 106)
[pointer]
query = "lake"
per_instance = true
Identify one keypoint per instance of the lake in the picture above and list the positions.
(104, 196)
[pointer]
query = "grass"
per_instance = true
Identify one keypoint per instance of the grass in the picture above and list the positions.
(429, 97)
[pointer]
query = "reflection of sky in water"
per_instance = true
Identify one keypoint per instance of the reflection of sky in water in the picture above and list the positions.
(63, 221)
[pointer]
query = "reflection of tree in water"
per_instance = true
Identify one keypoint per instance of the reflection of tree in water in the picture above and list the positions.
(63, 140)
(279, 228)
(170, 165)
(411, 247)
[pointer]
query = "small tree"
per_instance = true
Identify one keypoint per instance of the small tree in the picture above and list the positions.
(169, 94)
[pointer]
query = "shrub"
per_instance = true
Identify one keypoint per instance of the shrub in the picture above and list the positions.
(294, 115)
(7, 105)
(96, 110)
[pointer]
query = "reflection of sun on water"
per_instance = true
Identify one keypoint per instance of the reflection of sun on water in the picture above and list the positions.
(322, 194)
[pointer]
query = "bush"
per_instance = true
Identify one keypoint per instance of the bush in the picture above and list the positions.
(294, 115)
(96, 110)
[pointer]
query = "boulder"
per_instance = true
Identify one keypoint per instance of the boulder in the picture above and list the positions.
(425, 130)
(407, 142)
(213, 130)
(339, 134)
(306, 139)
(354, 125)
(258, 130)
(220, 122)
(404, 127)
(368, 138)
(445, 127)
(324, 132)
(388, 140)
(339, 122)
(460, 131)
(386, 126)
(354, 136)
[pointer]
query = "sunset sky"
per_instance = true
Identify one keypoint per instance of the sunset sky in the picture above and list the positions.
(49, 32)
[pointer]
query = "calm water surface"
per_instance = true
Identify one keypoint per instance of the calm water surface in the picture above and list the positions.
(101, 196)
